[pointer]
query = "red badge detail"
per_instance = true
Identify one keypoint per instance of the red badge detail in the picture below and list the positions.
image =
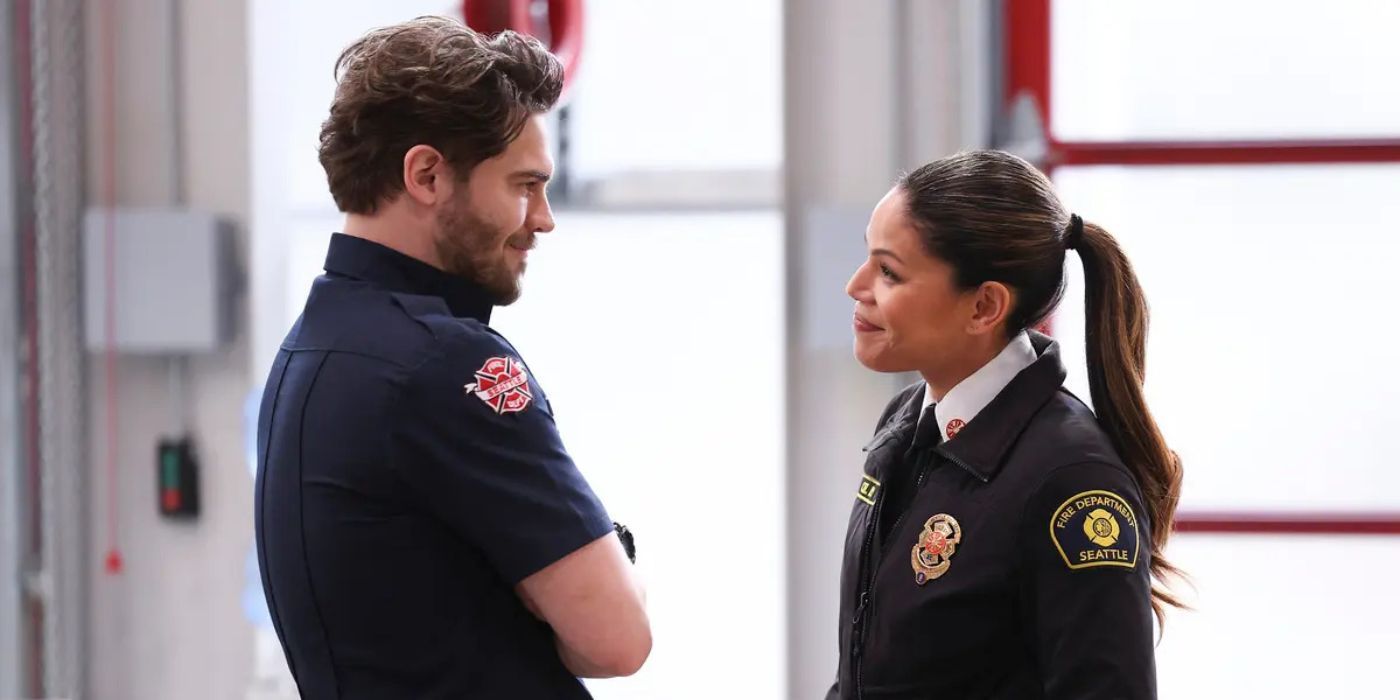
(936, 544)
(955, 426)
(503, 384)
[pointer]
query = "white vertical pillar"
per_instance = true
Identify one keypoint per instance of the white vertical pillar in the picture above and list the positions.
(58, 74)
(13, 514)
(871, 88)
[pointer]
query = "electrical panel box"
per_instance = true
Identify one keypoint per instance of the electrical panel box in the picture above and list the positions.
(177, 479)
(174, 276)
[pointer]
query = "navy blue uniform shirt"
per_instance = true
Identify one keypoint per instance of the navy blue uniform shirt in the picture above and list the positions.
(409, 475)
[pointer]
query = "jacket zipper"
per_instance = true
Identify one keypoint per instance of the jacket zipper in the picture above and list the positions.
(858, 620)
(965, 466)
(924, 463)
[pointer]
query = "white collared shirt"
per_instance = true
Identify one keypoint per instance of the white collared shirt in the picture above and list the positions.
(971, 395)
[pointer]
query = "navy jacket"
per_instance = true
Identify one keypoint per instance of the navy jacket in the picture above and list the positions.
(1018, 568)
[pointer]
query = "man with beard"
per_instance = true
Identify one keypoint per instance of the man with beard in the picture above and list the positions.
(421, 530)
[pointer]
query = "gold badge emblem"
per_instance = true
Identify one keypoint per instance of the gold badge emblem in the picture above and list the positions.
(1101, 528)
(937, 544)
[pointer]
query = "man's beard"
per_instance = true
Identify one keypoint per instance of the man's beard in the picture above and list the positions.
(471, 248)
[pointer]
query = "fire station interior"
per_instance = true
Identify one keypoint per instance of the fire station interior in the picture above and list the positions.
(163, 214)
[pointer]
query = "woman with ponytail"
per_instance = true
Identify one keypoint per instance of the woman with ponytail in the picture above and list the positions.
(1006, 541)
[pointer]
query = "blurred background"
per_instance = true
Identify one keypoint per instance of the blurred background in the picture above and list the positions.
(162, 214)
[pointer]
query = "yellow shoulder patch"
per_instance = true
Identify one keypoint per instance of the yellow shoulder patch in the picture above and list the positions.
(1095, 528)
(868, 488)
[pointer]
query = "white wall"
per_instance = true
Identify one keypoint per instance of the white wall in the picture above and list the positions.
(171, 625)
(659, 83)
(1248, 69)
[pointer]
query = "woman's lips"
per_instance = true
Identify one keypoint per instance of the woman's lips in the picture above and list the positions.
(864, 326)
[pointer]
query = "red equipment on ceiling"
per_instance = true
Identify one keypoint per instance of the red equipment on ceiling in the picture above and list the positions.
(560, 27)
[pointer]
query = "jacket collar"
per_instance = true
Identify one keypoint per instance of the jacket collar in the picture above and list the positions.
(982, 445)
(963, 402)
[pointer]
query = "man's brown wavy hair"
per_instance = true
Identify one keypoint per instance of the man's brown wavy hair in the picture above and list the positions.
(429, 81)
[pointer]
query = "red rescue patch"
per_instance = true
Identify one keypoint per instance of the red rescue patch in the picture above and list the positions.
(503, 384)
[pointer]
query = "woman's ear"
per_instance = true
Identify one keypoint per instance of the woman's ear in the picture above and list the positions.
(992, 304)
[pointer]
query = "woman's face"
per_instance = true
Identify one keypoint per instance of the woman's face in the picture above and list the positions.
(909, 313)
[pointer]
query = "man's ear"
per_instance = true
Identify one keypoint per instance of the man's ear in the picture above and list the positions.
(426, 175)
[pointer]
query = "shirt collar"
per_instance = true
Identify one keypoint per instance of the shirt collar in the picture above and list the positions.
(964, 401)
(982, 446)
(380, 265)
